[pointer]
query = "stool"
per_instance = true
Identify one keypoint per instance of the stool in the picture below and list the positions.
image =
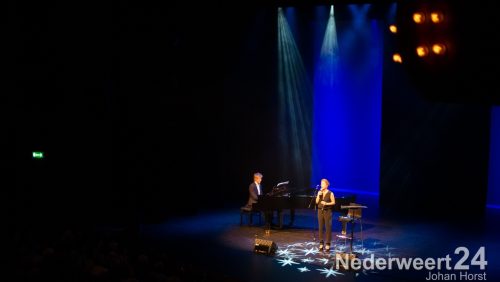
(249, 213)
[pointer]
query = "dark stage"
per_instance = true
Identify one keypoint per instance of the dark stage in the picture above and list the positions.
(227, 248)
(213, 246)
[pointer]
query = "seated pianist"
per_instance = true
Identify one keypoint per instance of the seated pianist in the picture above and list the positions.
(256, 191)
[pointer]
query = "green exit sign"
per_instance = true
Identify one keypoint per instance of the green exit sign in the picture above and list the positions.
(37, 155)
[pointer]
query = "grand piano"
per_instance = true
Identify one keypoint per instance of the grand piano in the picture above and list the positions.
(283, 198)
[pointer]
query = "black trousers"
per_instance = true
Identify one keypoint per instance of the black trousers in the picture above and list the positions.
(325, 222)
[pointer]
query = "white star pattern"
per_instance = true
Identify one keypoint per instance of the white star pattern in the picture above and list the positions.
(303, 269)
(287, 261)
(310, 251)
(329, 272)
(307, 254)
(362, 251)
(387, 248)
(324, 260)
(341, 247)
(285, 252)
(307, 260)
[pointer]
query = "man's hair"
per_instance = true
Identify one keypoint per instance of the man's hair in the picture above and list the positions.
(257, 174)
(326, 180)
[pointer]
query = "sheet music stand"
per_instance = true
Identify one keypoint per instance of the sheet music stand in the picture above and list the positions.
(279, 189)
(353, 214)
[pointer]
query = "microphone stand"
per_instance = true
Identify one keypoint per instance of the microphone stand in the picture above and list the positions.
(313, 199)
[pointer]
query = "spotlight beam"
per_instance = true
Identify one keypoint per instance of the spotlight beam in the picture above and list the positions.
(295, 93)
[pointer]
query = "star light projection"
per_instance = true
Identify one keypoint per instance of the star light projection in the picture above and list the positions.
(287, 261)
(305, 257)
(303, 269)
(312, 250)
(329, 272)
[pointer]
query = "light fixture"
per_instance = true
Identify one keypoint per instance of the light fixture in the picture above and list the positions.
(393, 28)
(397, 58)
(436, 17)
(418, 17)
(438, 49)
(422, 51)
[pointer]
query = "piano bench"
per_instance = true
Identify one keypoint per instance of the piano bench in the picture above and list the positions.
(249, 214)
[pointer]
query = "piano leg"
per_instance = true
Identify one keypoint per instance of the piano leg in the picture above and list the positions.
(281, 216)
(268, 218)
(280, 219)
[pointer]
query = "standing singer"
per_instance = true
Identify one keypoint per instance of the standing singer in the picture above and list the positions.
(325, 201)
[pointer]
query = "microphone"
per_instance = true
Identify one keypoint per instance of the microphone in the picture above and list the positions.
(318, 190)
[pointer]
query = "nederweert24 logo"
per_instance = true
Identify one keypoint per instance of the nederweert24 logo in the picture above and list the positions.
(456, 268)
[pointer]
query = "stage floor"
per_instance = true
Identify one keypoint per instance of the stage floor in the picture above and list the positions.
(215, 242)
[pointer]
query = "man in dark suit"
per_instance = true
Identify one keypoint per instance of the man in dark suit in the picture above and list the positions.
(255, 189)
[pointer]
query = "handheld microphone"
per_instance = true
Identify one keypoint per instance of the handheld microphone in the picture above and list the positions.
(318, 187)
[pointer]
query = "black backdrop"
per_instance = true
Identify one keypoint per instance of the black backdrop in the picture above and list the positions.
(146, 111)
(143, 111)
